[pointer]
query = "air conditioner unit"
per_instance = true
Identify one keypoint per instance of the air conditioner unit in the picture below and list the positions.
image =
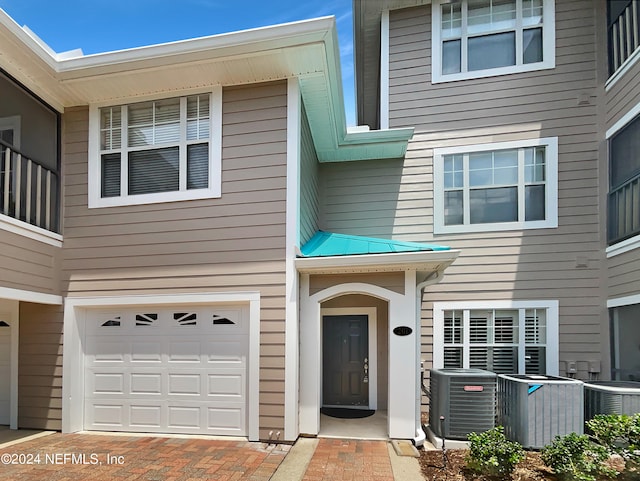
(611, 397)
(466, 398)
(535, 409)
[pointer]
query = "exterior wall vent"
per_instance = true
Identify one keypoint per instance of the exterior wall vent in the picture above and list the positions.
(535, 409)
(467, 400)
(611, 397)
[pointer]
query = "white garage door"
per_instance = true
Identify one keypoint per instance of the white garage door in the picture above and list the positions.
(168, 370)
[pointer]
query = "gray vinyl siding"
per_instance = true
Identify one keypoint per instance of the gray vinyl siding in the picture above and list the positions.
(309, 202)
(28, 264)
(234, 243)
(395, 198)
(40, 367)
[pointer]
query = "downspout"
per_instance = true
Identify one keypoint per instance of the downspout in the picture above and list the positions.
(433, 278)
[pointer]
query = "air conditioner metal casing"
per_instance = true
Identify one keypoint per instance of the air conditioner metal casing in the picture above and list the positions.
(467, 400)
(611, 397)
(535, 409)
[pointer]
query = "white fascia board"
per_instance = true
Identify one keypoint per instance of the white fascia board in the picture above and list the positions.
(30, 296)
(398, 260)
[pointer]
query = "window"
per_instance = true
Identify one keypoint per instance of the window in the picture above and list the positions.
(623, 31)
(501, 186)
(624, 182)
(482, 38)
(155, 151)
(502, 336)
(625, 332)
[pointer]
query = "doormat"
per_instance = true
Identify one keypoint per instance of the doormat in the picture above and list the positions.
(347, 413)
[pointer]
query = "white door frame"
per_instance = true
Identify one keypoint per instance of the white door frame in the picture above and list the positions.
(372, 324)
(75, 309)
(11, 310)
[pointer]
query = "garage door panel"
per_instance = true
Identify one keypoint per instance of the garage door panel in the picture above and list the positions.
(184, 351)
(146, 351)
(108, 383)
(146, 383)
(145, 417)
(167, 374)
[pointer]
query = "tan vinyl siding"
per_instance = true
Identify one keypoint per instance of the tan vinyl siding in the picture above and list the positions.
(28, 264)
(40, 367)
(395, 198)
(623, 95)
(623, 273)
(234, 243)
(309, 202)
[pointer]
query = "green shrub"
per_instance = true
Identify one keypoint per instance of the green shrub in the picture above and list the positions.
(618, 433)
(492, 454)
(576, 457)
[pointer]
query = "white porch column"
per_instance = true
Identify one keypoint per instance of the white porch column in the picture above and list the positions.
(403, 363)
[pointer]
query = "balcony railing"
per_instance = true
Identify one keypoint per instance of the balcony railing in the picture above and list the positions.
(28, 189)
(624, 210)
(624, 33)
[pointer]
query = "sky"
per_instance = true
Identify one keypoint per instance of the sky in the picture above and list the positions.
(105, 25)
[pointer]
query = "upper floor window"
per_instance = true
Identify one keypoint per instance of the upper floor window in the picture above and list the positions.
(623, 31)
(483, 38)
(155, 151)
(501, 186)
(624, 182)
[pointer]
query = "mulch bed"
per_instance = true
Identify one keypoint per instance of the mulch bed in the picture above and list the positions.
(531, 469)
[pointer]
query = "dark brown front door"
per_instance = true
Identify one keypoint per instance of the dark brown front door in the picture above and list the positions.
(345, 369)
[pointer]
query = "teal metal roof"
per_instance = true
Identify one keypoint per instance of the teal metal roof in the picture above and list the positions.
(324, 244)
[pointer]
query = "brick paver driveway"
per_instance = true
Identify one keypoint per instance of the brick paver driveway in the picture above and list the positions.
(67, 457)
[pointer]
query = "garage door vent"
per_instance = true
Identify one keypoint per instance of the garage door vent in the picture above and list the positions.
(185, 318)
(145, 319)
(221, 320)
(115, 322)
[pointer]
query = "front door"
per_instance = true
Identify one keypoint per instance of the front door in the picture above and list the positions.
(345, 353)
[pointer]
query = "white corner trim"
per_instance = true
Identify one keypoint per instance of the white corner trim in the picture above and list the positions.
(622, 70)
(624, 120)
(624, 246)
(551, 191)
(31, 231)
(292, 229)
(29, 296)
(384, 70)
(11, 309)
(372, 347)
(623, 301)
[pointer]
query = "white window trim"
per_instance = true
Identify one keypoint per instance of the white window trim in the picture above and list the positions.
(551, 191)
(552, 344)
(548, 48)
(215, 158)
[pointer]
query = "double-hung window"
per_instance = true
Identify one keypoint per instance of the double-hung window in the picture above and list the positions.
(482, 38)
(155, 151)
(624, 182)
(500, 336)
(500, 186)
